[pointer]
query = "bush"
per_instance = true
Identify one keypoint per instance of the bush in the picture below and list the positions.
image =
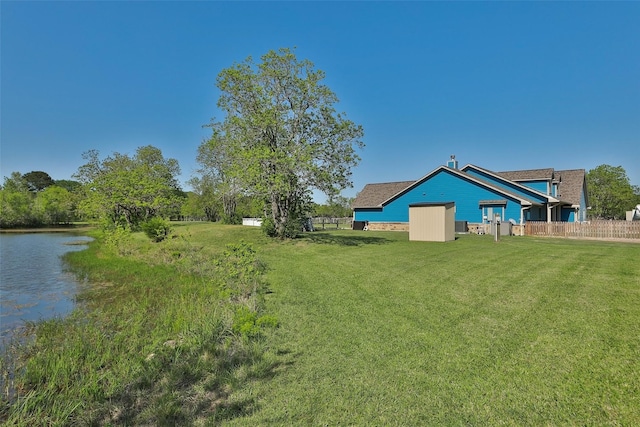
(157, 229)
(268, 227)
(292, 227)
(249, 324)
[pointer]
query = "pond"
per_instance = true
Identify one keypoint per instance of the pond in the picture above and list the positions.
(33, 282)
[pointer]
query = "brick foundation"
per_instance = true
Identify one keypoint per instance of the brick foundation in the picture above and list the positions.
(389, 226)
(473, 228)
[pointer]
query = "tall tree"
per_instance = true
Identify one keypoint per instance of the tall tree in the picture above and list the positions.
(56, 205)
(205, 189)
(216, 182)
(130, 189)
(610, 192)
(38, 180)
(16, 202)
(283, 135)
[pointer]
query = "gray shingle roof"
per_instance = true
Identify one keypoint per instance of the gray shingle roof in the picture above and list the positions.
(372, 195)
(525, 175)
(570, 185)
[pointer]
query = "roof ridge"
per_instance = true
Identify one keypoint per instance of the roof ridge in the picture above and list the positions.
(391, 182)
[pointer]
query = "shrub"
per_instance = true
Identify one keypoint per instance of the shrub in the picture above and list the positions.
(292, 227)
(248, 324)
(268, 227)
(156, 228)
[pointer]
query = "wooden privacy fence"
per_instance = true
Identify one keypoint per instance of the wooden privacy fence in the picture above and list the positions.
(590, 229)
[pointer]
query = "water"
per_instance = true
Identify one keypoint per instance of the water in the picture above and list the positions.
(33, 283)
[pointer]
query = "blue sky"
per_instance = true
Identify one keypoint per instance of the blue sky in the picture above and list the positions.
(503, 85)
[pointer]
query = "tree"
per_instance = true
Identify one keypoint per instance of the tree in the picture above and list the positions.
(336, 207)
(130, 189)
(610, 193)
(69, 185)
(16, 202)
(38, 180)
(214, 163)
(56, 205)
(208, 200)
(282, 136)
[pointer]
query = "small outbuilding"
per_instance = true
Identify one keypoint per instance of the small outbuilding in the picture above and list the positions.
(432, 221)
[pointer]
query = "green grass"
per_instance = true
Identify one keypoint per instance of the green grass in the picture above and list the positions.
(379, 330)
(373, 330)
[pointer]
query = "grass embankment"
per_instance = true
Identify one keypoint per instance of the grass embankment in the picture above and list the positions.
(374, 330)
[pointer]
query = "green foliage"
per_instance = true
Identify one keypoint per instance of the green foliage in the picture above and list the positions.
(244, 321)
(223, 188)
(25, 203)
(267, 321)
(38, 180)
(240, 274)
(69, 185)
(268, 227)
(281, 137)
(239, 271)
(248, 324)
(156, 228)
(192, 208)
(134, 188)
(56, 204)
(16, 203)
(610, 192)
(336, 207)
(117, 237)
(290, 229)
(208, 201)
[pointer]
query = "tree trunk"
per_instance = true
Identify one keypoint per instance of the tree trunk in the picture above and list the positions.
(279, 214)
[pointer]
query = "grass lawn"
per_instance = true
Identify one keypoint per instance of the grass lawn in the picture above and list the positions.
(377, 330)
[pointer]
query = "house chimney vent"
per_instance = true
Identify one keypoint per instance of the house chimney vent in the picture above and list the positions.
(453, 163)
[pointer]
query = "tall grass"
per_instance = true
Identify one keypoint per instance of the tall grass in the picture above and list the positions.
(374, 330)
(151, 344)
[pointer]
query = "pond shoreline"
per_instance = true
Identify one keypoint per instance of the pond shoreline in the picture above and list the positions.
(34, 280)
(50, 229)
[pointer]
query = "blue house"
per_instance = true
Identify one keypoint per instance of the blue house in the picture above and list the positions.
(479, 194)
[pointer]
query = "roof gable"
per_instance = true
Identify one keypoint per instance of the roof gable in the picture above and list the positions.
(570, 185)
(462, 175)
(373, 195)
(533, 174)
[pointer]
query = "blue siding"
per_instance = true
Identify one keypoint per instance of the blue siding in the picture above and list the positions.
(365, 214)
(582, 214)
(541, 186)
(567, 214)
(512, 188)
(443, 186)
